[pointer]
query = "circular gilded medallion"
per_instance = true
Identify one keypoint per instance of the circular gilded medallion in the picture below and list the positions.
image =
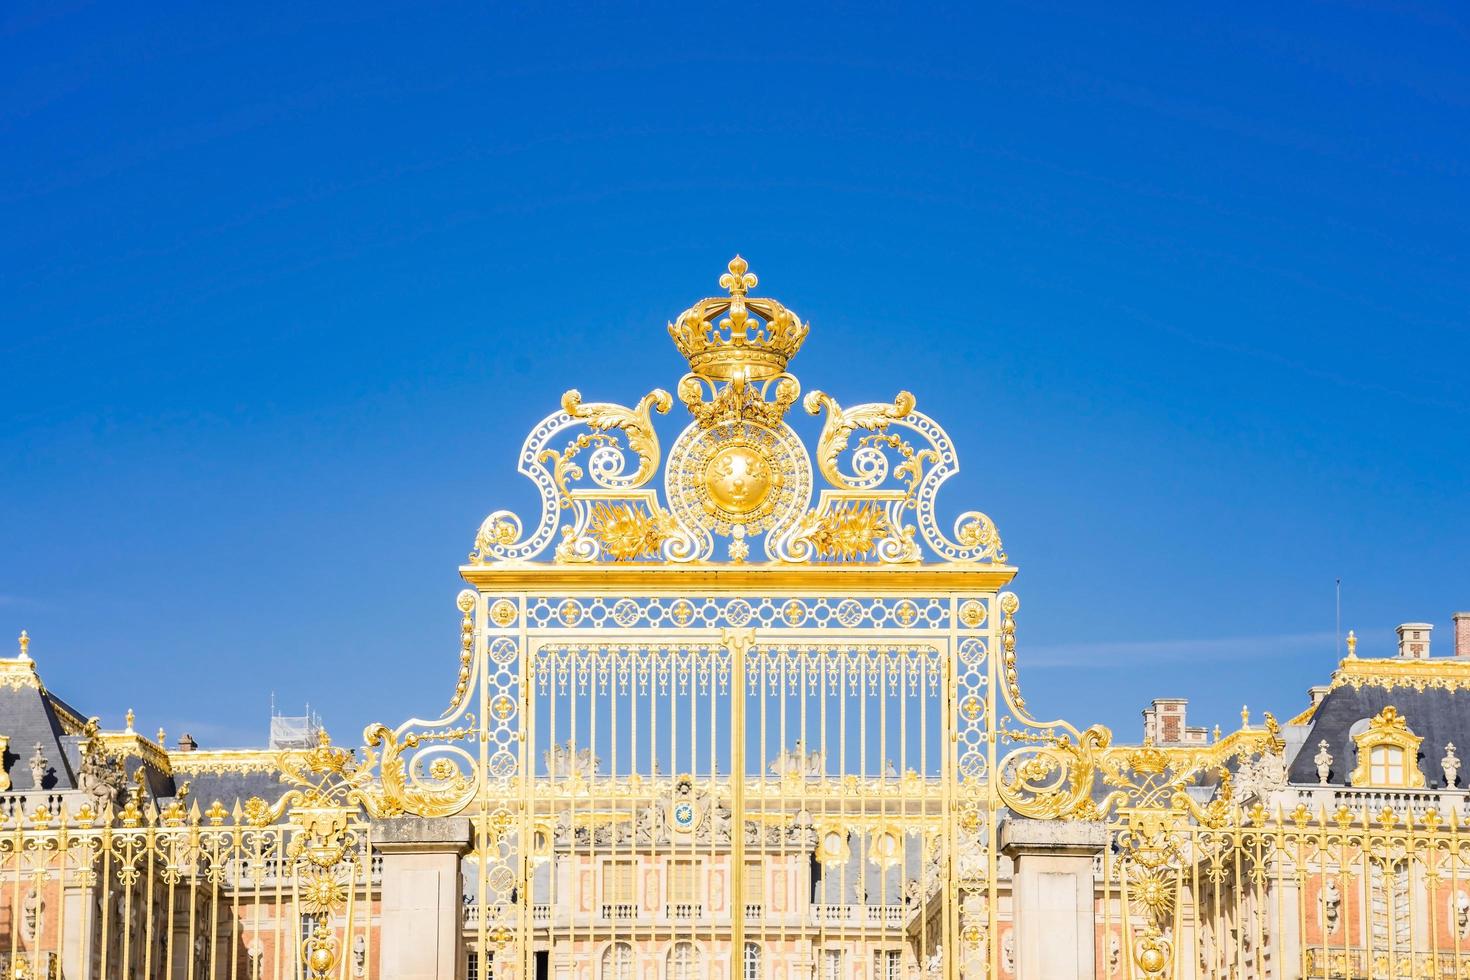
(738, 474)
(738, 479)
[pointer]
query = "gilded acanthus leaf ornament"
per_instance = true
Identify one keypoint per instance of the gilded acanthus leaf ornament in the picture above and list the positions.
(738, 471)
(636, 424)
(870, 467)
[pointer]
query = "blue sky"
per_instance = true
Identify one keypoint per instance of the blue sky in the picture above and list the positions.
(281, 292)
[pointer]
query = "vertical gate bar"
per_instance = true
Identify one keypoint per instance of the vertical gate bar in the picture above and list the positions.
(1430, 848)
(737, 647)
(1454, 857)
(823, 695)
(948, 750)
(1365, 845)
(1409, 863)
(18, 849)
(763, 696)
(347, 926)
(63, 843)
(176, 865)
(804, 690)
(524, 763)
(106, 887)
(150, 852)
(992, 800)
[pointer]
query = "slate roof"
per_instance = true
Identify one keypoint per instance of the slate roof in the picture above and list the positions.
(29, 718)
(1437, 715)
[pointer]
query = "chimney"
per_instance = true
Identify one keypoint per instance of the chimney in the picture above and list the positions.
(187, 743)
(1317, 693)
(1414, 640)
(1462, 635)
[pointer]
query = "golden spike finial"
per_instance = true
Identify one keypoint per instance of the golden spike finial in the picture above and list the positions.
(25, 645)
(1245, 716)
(737, 280)
(1352, 645)
(1217, 733)
(129, 718)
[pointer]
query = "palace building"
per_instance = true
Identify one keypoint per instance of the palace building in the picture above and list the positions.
(737, 702)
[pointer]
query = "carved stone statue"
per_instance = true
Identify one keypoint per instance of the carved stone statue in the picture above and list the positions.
(1331, 905)
(797, 762)
(1323, 759)
(31, 912)
(100, 776)
(1115, 952)
(720, 821)
(568, 760)
(651, 824)
(359, 956)
(1462, 912)
(1450, 764)
(39, 768)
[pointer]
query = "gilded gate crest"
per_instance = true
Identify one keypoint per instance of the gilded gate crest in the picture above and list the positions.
(738, 470)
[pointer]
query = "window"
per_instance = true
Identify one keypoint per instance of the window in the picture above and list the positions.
(685, 900)
(887, 964)
(618, 900)
(1386, 766)
(617, 962)
(831, 964)
(751, 963)
(479, 966)
(1388, 752)
(754, 883)
(683, 961)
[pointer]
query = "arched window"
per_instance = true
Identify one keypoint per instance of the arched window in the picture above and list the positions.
(683, 961)
(1388, 752)
(751, 963)
(617, 962)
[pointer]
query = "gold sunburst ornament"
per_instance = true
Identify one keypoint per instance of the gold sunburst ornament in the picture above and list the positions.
(321, 893)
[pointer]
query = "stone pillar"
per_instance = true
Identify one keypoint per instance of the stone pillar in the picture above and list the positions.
(422, 930)
(1052, 895)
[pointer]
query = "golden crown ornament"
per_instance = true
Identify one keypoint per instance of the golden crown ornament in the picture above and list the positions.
(738, 336)
(738, 471)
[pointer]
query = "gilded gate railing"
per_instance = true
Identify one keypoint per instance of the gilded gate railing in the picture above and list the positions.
(258, 890)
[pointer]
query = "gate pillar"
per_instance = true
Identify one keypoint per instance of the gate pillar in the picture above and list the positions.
(1052, 889)
(422, 906)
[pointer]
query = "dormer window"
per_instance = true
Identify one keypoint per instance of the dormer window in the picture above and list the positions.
(1388, 753)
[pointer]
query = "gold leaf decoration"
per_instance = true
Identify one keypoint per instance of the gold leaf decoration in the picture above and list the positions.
(626, 532)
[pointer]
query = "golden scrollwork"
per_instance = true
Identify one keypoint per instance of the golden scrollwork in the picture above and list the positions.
(1051, 775)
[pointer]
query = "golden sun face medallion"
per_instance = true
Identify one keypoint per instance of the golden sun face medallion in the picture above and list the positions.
(738, 479)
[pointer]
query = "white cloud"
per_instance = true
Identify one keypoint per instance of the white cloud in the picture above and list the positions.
(1214, 649)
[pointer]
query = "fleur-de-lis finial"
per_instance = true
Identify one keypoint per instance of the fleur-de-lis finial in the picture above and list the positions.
(1352, 643)
(737, 280)
(25, 645)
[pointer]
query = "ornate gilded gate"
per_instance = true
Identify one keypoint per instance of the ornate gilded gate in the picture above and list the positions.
(727, 763)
